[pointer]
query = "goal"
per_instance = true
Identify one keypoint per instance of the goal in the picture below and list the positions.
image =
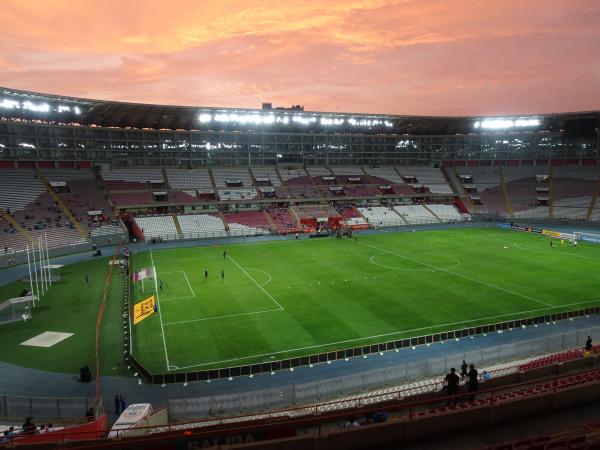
(587, 237)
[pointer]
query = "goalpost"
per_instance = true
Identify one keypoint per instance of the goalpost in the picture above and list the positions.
(147, 273)
(587, 237)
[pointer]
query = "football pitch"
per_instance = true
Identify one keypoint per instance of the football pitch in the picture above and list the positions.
(283, 299)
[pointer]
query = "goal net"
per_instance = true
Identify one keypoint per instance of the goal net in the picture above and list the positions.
(587, 237)
(16, 309)
(147, 275)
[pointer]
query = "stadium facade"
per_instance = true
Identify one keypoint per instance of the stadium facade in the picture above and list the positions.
(36, 126)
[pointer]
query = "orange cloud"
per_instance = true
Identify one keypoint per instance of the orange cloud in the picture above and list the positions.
(388, 56)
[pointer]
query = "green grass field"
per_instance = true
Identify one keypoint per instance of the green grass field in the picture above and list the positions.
(292, 298)
(70, 306)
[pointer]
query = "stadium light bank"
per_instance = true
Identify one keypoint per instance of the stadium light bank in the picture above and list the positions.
(504, 124)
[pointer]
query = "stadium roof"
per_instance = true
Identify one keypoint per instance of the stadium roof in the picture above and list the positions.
(34, 106)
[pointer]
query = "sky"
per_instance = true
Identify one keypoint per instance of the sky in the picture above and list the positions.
(413, 57)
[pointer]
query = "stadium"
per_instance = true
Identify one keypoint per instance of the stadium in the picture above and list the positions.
(261, 276)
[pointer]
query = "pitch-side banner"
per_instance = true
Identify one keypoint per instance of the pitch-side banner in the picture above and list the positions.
(143, 309)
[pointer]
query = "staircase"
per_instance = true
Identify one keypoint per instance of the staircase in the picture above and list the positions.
(222, 216)
(432, 213)
(22, 231)
(295, 216)
(464, 194)
(593, 202)
(212, 181)
(283, 185)
(507, 204)
(177, 225)
(62, 206)
(166, 178)
(551, 192)
(401, 216)
(398, 172)
(270, 220)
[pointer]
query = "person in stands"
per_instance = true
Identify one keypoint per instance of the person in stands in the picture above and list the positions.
(588, 343)
(452, 381)
(463, 370)
(473, 379)
(29, 426)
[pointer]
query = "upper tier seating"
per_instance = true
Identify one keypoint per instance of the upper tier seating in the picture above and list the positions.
(386, 173)
(319, 171)
(429, 177)
(198, 179)
(347, 170)
(18, 188)
(225, 175)
(415, 214)
(266, 172)
(237, 194)
(303, 191)
(138, 175)
(289, 174)
(446, 213)
(361, 190)
(161, 227)
(381, 216)
(67, 174)
(131, 198)
(201, 226)
(183, 196)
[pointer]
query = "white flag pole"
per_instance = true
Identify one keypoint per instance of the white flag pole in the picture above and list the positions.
(30, 274)
(41, 261)
(37, 286)
(47, 259)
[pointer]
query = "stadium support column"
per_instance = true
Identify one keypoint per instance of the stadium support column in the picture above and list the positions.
(507, 204)
(593, 201)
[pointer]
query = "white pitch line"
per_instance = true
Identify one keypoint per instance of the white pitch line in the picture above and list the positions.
(387, 334)
(254, 281)
(563, 254)
(176, 298)
(460, 275)
(162, 329)
(188, 282)
(223, 317)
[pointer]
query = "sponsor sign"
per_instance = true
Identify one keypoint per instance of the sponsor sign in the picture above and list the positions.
(143, 309)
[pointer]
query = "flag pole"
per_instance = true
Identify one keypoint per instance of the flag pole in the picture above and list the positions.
(42, 276)
(47, 259)
(30, 274)
(37, 286)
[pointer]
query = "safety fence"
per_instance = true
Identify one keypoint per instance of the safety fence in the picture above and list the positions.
(43, 407)
(361, 351)
(321, 390)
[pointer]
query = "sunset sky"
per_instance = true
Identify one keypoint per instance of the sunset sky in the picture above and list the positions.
(426, 57)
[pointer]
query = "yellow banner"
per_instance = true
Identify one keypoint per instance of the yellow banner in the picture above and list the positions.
(143, 309)
(551, 233)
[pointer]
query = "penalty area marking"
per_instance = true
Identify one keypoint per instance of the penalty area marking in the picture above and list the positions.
(188, 283)
(386, 334)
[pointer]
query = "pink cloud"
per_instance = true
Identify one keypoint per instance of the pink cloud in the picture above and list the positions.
(449, 57)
